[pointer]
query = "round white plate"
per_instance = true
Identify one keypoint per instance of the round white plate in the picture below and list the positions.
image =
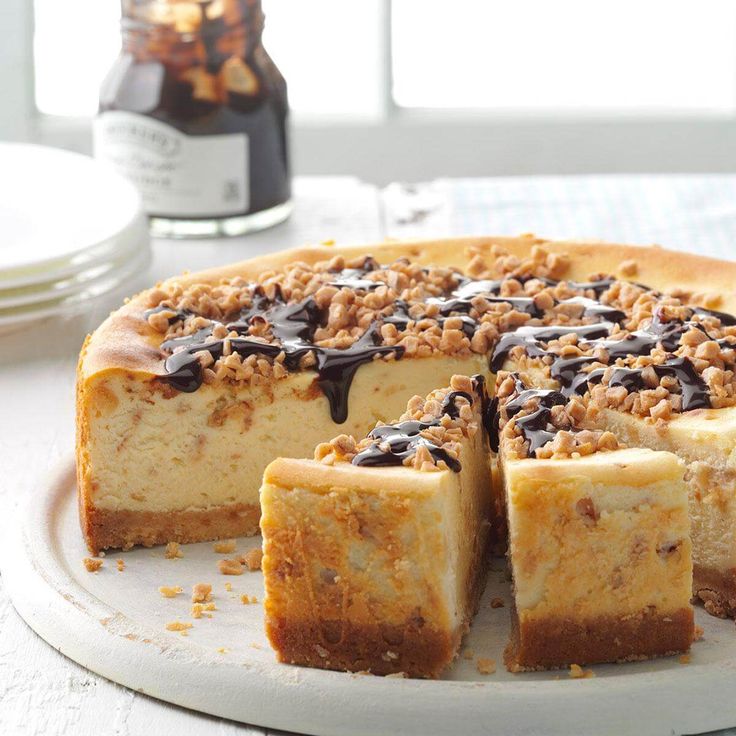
(114, 623)
(112, 271)
(69, 300)
(59, 211)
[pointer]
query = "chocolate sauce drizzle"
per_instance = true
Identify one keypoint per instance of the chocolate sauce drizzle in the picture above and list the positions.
(570, 373)
(533, 426)
(293, 326)
(394, 443)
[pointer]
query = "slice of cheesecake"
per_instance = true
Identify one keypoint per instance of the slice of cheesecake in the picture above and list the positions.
(598, 539)
(666, 383)
(373, 550)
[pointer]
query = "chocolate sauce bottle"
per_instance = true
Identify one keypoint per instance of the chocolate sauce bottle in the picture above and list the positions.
(194, 111)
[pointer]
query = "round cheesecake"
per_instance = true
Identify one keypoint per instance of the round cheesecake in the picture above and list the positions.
(188, 391)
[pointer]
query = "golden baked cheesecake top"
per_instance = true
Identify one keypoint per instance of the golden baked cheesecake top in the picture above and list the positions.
(602, 342)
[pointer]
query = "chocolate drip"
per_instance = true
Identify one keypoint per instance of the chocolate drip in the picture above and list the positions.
(468, 288)
(354, 278)
(592, 308)
(461, 299)
(532, 339)
(463, 305)
(336, 368)
(294, 326)
(693, 389)
(532, 426)
(729, 320)
(179, 314)
(400, 319)
(394, 443)
(570, 373)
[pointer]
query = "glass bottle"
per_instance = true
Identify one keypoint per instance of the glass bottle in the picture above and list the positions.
(195, 112)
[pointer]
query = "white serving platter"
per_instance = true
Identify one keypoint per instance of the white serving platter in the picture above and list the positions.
(114, 623)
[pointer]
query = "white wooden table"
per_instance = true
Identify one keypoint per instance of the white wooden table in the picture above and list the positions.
(42, 692)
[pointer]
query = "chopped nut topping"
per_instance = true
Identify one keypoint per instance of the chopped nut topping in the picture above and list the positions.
(485, 666)
(578, 673)
(225, 546)
(173, 551)
(170, 591)
(181, 626)
(202, 609)
(252, 559)
(201, 592)
(230, 567)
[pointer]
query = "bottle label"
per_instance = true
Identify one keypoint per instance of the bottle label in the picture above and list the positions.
(178, 175)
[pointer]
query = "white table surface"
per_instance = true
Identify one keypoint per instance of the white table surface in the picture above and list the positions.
(42, 692)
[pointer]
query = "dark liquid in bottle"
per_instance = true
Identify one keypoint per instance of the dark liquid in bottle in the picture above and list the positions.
(207, 76)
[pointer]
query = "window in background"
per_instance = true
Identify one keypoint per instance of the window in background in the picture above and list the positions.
(660, 56)
(568, 55)
(74, 44)
(330, 51)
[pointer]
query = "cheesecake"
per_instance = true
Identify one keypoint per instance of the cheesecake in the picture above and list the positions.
(187, 392)
(598, 537)
(374, 550)
(661, 377)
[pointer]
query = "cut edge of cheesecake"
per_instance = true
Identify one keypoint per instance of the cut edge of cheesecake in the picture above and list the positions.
(601, 561)
(375, 569)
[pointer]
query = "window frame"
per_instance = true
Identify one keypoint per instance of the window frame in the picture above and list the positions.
(421, 143)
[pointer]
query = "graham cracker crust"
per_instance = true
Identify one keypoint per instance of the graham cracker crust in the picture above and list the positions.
(105, 528)
(380, 649)
(716, 589)
(558, 642)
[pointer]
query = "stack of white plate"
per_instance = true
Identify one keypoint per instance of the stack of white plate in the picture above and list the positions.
(71, 229)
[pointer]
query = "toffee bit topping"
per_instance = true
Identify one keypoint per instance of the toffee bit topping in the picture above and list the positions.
(606, 343)
(173, 551)
(427, 437)
(168, 591)
(225, 546)
(180, 626)
(542, 423)
(230, 567)
(201, 592)
(252, 559)
(92, 564)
